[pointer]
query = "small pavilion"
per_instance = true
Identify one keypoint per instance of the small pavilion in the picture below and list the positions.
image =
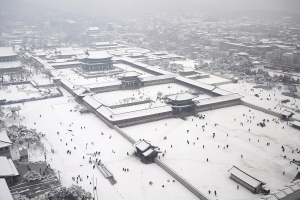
(97, 61)
(182, 103)
(145, 151)
(130, 80)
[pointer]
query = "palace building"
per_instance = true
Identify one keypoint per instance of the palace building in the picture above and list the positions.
(97, 61)
(130, 80)
(182, 103)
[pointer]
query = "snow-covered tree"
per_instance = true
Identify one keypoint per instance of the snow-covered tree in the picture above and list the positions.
(32, 176)
(2, 125)
(20, 197)
(21, 133)
(73, 192)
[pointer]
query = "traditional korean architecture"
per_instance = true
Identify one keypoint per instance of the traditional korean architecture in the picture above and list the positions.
(8, 61)
(286, 115)
(182, 103)
(97, 61)
(8, 170)
(145, 151)
(249, 182)
(7, 54)
(130, 80)
(5, 193)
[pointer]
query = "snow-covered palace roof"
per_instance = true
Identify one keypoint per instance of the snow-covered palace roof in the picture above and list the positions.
(4, 140)
(5, 193)
(7, 167)
(253, 182)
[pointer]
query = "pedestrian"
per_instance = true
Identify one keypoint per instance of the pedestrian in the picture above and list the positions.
(215, 193)
(238, 187)
(206, 159)
(208, 191)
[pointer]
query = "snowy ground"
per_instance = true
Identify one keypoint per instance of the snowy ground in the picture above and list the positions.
(16, 92)
(274, 96)
(212, 79)
(130, 68)
(56, 117)
(41, 79)
(265, 163)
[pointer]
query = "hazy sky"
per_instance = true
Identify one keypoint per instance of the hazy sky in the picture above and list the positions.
(128, 7)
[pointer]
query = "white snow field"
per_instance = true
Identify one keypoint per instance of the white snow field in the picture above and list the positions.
(262, 161)
(274, 96)
(16, 92)
(56, 117)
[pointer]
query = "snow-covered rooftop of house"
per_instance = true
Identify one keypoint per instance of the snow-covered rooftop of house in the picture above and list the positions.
(5, 193)
(140, 113)
(6, 51)
(4, 140)
(286, 112)
(195, 83)
(279, 194)
(7, 167)
(181, 97)
(98, 55)
(245, 177)
(11, 64)
(141, 145)
(219, 99)
(153, 78)
(148, 152)
(92, 102)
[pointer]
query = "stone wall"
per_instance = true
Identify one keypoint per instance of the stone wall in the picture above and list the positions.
(184, 182)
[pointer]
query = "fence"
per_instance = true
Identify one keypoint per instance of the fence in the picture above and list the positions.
(276, 114)
(127, 137)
